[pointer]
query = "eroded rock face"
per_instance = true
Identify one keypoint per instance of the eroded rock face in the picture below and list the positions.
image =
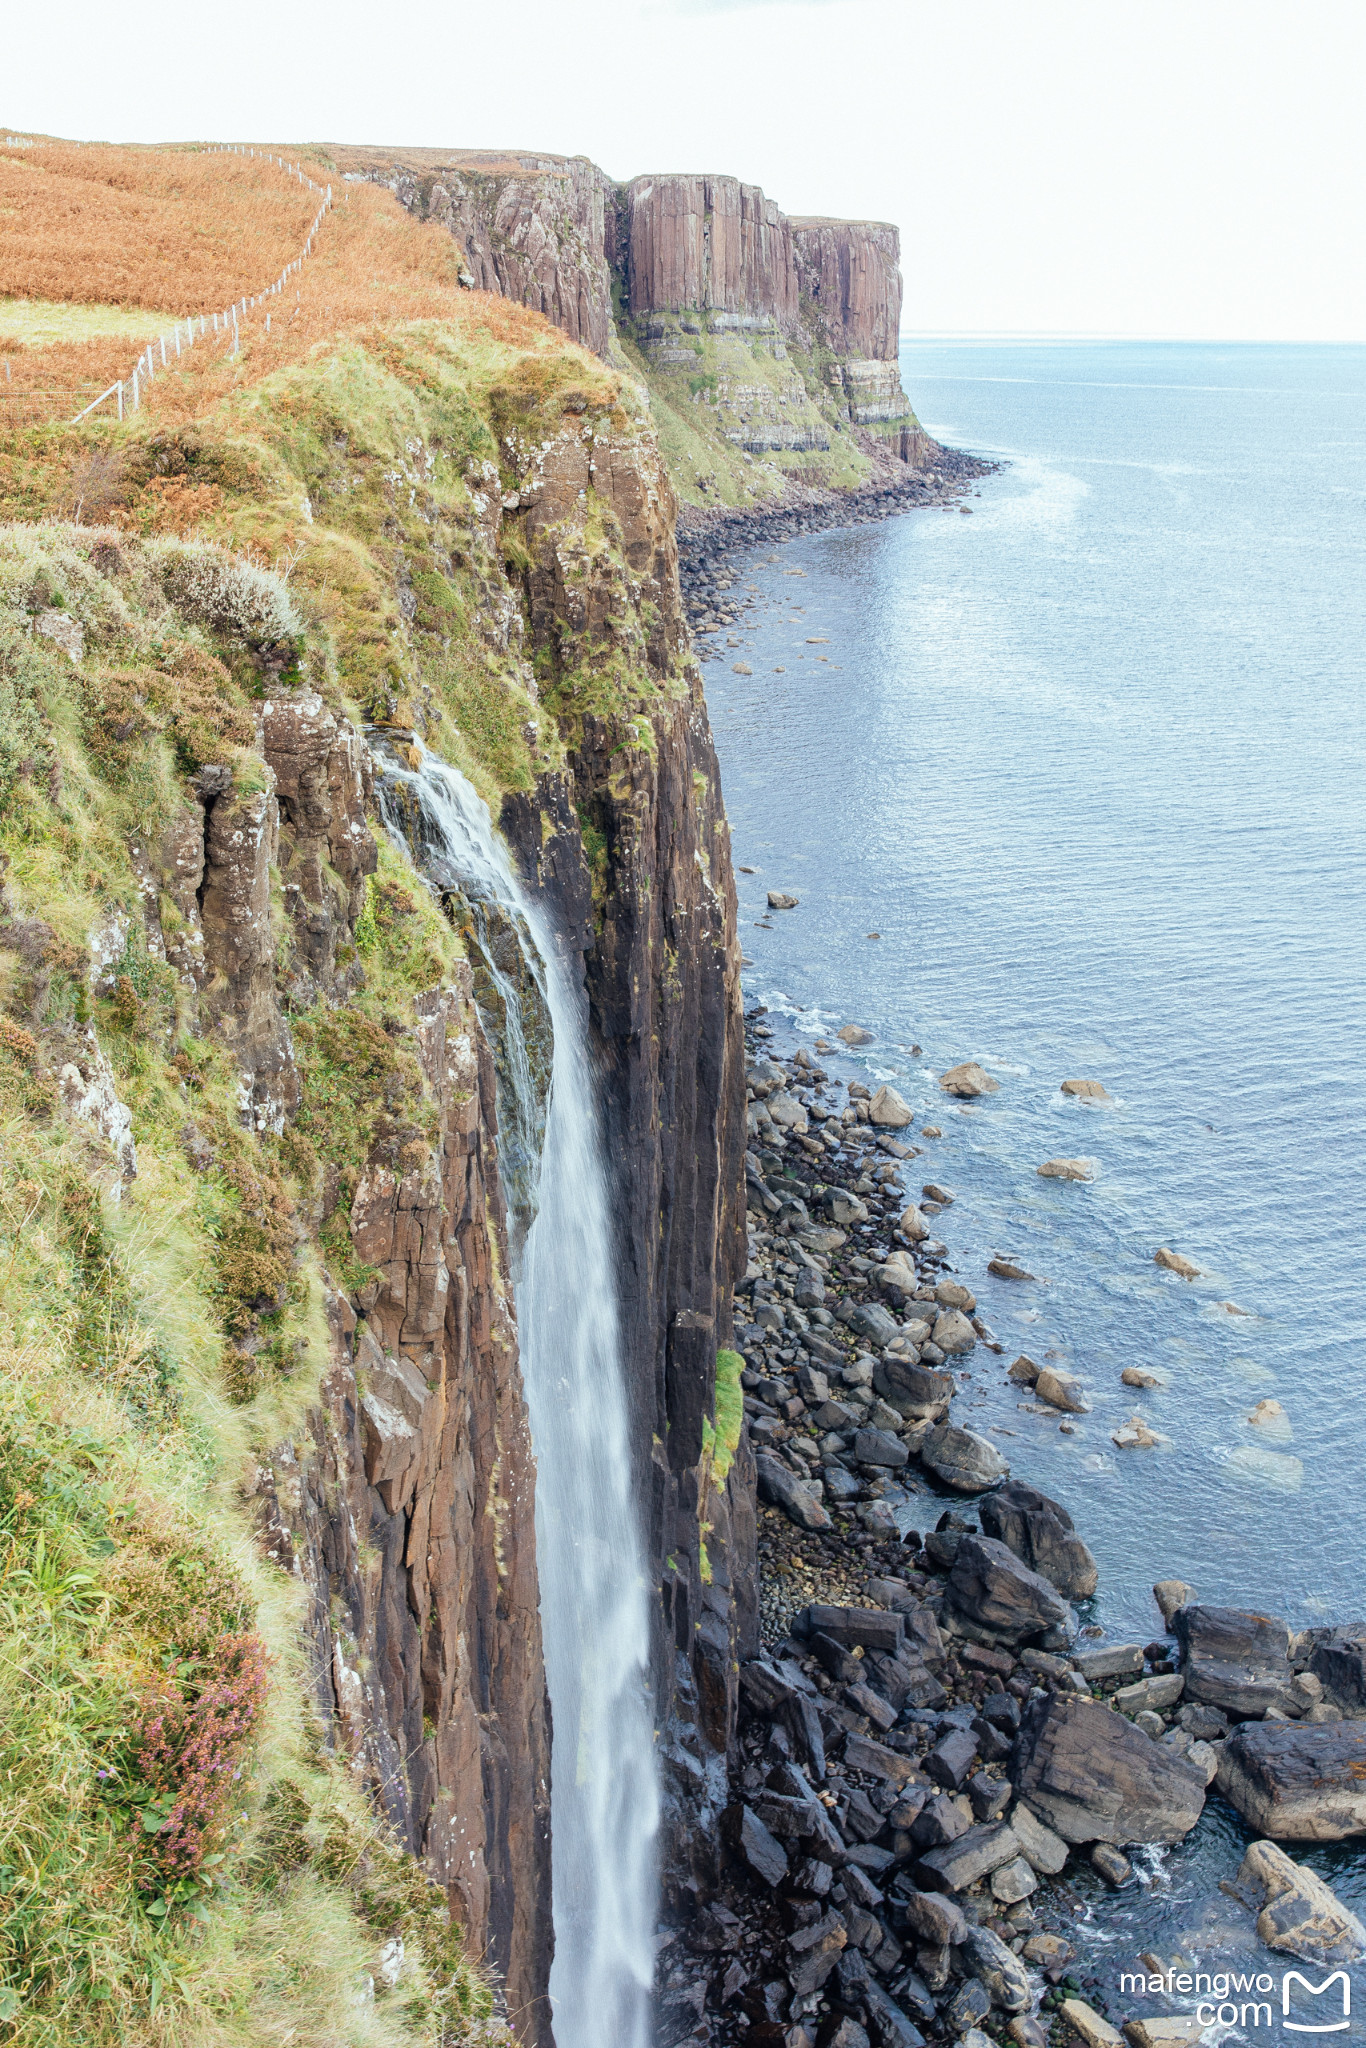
(1298, 1912)
(1236, 1659)
(1041, 1532)
(661, 979)
(708, 242)
(850, 272)
(326, 849)
(240, 996)
(407, 1511)
(1091, 1776)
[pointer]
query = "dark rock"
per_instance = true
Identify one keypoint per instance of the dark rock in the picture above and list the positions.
(933, 1919)
(1340, 1665)
(1041, 1533)
(1002, 1976)
(868, 1628)
(1002, 1709)
(1235, 1659)
(861, 1818)
(803, 1723)
(974, 1855)
(764, 1687)
(880, 1447)
(1298, 1782)
(877, 1761)
(784, 1490)
(1111, 1660)
(810, 1875)
(869, 1320)
(1114, 1868)
(839, 1662)
(754, 1844)
(963, 1460)
(993, 1742)
(990, 1588)
(890, 2027)
(939, 1821)
(968, 2007)
(1093, 1777)
(990, 1796)
(817, 1950)
(952, 1758)
(912, 1389)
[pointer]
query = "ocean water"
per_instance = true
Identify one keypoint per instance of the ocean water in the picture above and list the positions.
(1090, 762)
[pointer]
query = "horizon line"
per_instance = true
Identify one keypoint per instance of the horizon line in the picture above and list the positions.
(1114, 334)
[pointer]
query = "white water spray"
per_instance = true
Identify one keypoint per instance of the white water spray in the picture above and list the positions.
(594, 1603)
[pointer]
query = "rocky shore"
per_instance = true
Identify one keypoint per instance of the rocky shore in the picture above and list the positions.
(935, 1741)
(710, 540)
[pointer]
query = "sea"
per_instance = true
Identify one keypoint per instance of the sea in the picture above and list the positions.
(1070, 782)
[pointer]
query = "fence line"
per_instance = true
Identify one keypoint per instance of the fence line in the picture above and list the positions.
(128, 391)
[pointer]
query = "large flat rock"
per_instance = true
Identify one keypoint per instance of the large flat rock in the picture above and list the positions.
(1235, 1658)
(1298, 1781)
(991, 1588)
(1093, 1777)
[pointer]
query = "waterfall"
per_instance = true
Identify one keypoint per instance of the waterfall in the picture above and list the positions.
(594, 1602)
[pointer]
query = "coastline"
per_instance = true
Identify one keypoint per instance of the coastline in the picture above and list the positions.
(901, 1867)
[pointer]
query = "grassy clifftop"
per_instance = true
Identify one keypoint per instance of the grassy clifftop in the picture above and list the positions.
(343, 509)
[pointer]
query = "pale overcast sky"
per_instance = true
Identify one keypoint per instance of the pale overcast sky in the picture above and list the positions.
(1168, 167)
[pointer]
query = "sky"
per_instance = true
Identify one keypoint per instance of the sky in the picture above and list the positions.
(1152, 169)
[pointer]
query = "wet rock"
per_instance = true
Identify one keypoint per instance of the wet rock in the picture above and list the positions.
(935, 1919)
(1013, 1882)
(1002, 1976)
(1093, 1777)
(1175, 2030)
(1066, 1169)
(756, 1847)
(1298, 1911)
(785, 1490)
(869, 1320)
(1298, 1783)
(1024, 1372)
(968, 1081)
(954, 1334)
(968, 2005)
(1006, 1269)
(1088, 2026)
(861, 1753)
(951, 1760)
(1135, 1435)
(1174, 1263)
(1134, 1376)
(1114, 1868)
(1041, 1533)
(1235, 1659)
(940, 1820)
(963, 1460)
(854, 1034)
(888, 1109)
(777, 899)
(816, 1950)
(1043, 1850)
(1087, 1091)
(1062, 1390)
(1047, 1951)
(1171, 1595)
(913, 1390)
(993, 1590)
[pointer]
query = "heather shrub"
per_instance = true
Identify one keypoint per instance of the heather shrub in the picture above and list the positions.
(189, 1749)
(226, 595)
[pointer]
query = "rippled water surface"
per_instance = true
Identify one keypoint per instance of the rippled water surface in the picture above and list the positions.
(1090, 762)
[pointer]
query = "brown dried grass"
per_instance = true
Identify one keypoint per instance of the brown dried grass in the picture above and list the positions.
(373, 266)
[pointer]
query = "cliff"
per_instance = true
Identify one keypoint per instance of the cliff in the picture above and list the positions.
(768, 344)
(233, 1012)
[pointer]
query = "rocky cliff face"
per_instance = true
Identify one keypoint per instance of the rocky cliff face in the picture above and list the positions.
(706, 243)
(849, 275)
(533, 228)
(654, 915)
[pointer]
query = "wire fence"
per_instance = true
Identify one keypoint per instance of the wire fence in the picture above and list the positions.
(27, 408)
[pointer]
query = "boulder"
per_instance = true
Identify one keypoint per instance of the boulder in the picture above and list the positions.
(935, 1920)
(1135, 1435)
(1043, 1850)
(888, 1109)
(880, 1447)
(1024, 1372)
(913, 1390)
(1174, 1263)
(913, 1225)
(1093, 1777)
(1002, 1976)
(754, 1845)
(843, 1208)
(990, 1587)
(1041, 1534)
(866, 1628)
(1062, 1390)
(1114, 1868)
(778, 900)
(1151, 1695)
(1298, 1782)
(1066, 1169)
(1111, 1660)
(1339, 1663)
(784, 1490)
(1171, 1595)
(975, 1854)
(870, 1320)
(1013, 1882)
(968, 1080)
(1135, 1376)
(1235, 1659)
(1088, 2026)
(953, 1333)
(1174, 2030)
(787, 1112)
(1087, 1091)
(963, 1460)
(854, 1034)
(1298, 1912)
(861, 1753)
(1006, 1269)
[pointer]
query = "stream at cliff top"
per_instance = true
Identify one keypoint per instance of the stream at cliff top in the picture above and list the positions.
(1090, 762)
(594, 1609)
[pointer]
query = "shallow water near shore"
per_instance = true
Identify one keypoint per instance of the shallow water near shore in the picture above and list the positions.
(1090, 762)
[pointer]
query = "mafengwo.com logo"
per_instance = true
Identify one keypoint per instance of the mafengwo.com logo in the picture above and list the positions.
(1236, 1998)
